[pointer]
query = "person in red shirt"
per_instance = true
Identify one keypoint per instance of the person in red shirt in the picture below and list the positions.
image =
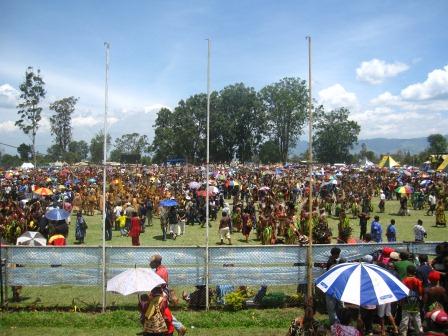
(411, 304)
(135, 231)
(156, 264)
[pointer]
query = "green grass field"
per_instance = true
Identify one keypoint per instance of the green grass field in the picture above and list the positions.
(220, 323)
(34, 321)
(195, 235)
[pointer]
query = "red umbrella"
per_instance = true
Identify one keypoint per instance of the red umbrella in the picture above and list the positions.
(203, 193)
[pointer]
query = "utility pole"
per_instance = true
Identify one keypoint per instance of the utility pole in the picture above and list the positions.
(207, 205)
(106, 98)
(309, 291)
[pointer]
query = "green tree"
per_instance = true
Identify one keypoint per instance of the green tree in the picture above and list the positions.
(437, 144)
(60, 121)
(365, 153)
(269, 152)
(80, 148)
(24, 151)
(97, 147)
(29, 109)
(9, 161)
(54, 152)
(285, 103)
(244, 123)
(334, 136)
(132, 143)
(163, 143)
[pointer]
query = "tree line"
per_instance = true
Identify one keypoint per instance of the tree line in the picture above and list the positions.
(245, 124)
(251, 126)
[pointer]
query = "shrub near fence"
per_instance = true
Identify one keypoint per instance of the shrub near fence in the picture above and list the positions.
(276, 265)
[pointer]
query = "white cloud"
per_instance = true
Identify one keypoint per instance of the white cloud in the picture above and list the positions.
(336, 96)
(90, 120)
(8, 126)
(435, 86)
(8, 96)
(376, 71)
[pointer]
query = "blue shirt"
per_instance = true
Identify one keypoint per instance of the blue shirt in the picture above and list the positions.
(376, 231)
(391, 233)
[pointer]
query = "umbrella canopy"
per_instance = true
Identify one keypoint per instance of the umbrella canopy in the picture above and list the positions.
(203, 193)
(43, 192)
(31, 238)
(404, 190)
(362, 284)
(194, 185)
(213, 190)
(265, 188)
(92, 180)
(134, 280)
(57, 214)
(424, 183)
(168, 203)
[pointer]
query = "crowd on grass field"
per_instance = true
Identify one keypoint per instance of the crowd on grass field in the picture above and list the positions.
(270, 201)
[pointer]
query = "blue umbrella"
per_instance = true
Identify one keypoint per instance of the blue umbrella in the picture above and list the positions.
(92, 180)
(362, 284)
(57, 214)
(168, 203)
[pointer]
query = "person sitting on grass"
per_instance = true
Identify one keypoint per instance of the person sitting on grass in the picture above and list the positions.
(343, 327)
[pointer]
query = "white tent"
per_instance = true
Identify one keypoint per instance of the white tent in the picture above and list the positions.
(366, 163)
(27, 165)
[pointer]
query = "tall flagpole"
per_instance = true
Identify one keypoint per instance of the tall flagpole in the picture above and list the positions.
(106, 98)
(207, 305)
(309, 288)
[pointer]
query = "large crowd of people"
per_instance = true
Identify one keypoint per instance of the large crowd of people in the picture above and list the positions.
(427, 281)
(268, 200)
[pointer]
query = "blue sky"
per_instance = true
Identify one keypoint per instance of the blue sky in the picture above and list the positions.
(385, 60)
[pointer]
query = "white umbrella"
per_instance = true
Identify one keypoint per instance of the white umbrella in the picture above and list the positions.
(134, 280)
(31, 238)
(362, 284)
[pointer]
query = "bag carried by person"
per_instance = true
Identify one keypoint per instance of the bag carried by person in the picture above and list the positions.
(155, 323)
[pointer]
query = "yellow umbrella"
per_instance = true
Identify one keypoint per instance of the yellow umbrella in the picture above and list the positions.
(43, 192)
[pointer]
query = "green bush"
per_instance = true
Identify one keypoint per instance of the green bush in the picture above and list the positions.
(273, 300)
(235, 301)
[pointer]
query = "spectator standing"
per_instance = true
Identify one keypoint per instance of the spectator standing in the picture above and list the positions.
(363, 219)
(156, 264)
(81, 227)
(224, 228)
(391, 232)
(432, 204)
(419, 232)
(135, 231)
(411, 304)
(376, 230)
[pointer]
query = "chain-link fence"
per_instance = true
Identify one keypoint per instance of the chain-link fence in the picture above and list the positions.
(71, 277)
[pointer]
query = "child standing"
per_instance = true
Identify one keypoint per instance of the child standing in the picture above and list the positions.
(391, 232)
(122, 224)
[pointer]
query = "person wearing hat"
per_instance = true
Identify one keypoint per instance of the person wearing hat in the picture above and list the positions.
(435, 292)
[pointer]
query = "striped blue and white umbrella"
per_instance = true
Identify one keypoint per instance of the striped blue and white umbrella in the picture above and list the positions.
(361, 284)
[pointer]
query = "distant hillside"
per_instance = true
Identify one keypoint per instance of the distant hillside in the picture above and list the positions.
(380, 145)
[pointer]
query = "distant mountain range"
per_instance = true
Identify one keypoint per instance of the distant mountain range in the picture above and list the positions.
(380, 145)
